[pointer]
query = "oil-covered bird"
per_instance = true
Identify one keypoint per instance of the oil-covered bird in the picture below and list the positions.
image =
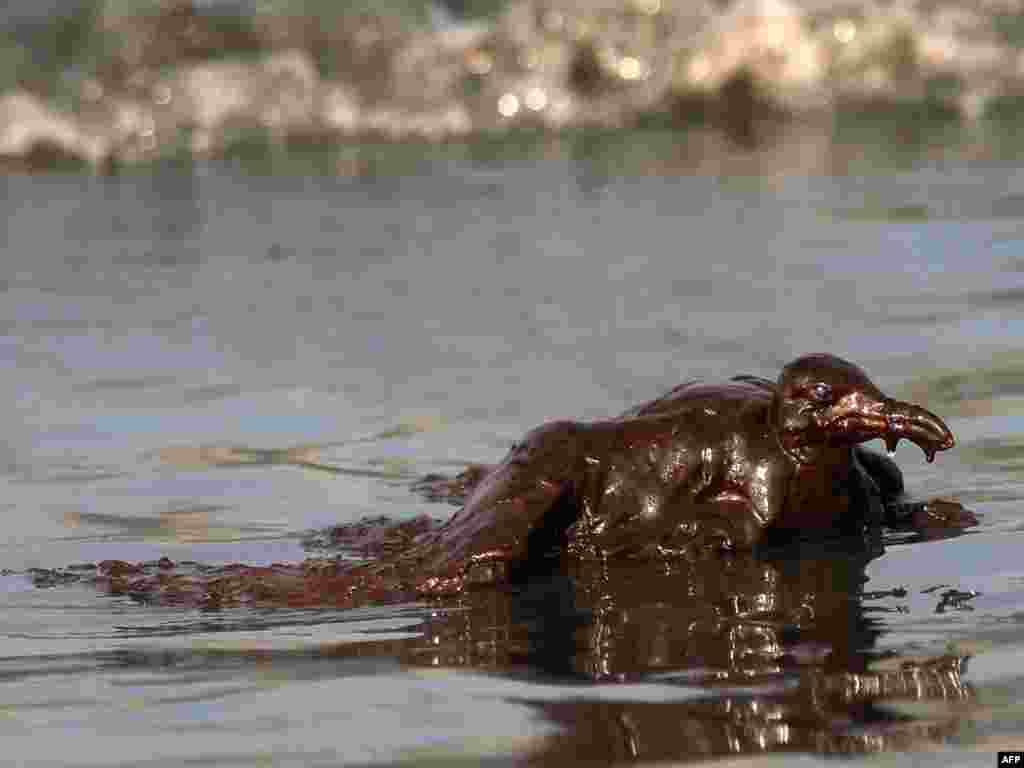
(731, 466)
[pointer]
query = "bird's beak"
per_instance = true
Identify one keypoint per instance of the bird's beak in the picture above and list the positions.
(864, 416)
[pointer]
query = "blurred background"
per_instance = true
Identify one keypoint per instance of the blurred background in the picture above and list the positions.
(110, 83)
(264, 263)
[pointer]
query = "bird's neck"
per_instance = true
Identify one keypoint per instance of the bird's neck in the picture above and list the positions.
(816, 454)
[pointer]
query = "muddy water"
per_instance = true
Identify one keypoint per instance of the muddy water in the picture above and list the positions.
(215, 366)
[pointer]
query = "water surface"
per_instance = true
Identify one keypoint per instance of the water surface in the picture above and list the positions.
(389, 326)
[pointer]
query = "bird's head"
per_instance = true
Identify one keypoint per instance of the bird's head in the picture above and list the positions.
(824, 401)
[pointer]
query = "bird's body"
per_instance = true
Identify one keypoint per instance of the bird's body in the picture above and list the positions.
(730, 465)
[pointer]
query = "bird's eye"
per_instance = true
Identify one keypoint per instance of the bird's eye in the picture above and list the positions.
(821, 393)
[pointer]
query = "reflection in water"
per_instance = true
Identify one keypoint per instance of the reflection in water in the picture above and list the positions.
(767, 654)
(781, 650)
